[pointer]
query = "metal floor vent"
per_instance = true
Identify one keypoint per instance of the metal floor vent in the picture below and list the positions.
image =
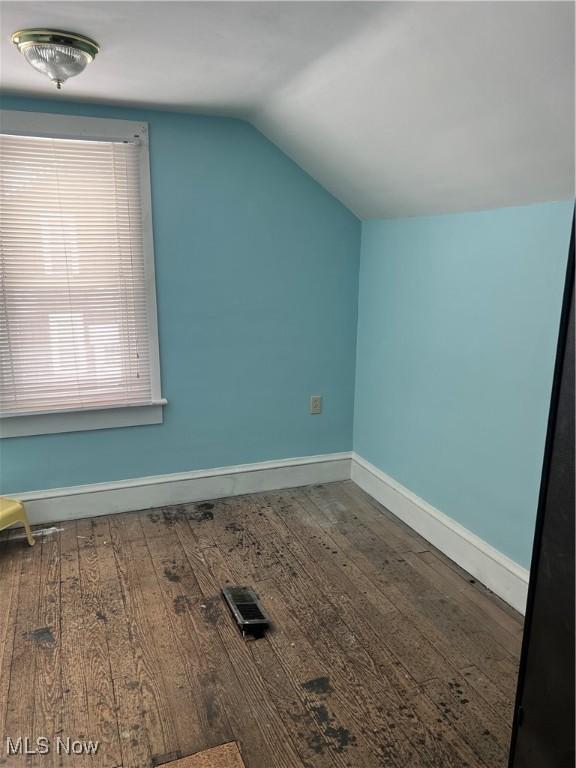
(246, 609)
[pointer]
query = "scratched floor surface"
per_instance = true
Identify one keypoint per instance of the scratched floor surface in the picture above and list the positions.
(383, 652)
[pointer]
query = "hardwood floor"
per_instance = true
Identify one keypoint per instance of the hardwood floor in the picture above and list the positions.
(383, 653)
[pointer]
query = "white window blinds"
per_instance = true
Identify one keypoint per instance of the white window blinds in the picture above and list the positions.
(74, 330)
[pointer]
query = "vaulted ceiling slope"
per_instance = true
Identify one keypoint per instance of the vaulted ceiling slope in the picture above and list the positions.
(398, 109)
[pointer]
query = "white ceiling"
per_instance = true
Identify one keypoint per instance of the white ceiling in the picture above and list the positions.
(400, 108)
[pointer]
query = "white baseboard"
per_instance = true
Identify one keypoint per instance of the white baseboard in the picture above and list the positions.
(495, 570)
(58, 504)
(498, 572)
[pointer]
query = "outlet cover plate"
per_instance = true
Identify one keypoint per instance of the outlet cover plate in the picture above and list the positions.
(316, 404)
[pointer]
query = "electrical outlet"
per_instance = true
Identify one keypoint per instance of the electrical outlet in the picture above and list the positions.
(316, 404)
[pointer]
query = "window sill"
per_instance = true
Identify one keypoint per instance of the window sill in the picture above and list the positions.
(80, 421)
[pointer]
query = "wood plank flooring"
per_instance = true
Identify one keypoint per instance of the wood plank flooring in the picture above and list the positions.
(384, 654)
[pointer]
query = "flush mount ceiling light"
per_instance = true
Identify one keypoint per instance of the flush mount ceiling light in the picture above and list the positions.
(57, 54)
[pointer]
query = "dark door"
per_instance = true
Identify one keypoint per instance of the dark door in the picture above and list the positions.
(543, 733)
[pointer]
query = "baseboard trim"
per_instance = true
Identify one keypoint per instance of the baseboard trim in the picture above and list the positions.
(495, 570)
(58, 504)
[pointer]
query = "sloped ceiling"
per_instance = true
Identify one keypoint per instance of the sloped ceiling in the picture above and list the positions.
(396, 108)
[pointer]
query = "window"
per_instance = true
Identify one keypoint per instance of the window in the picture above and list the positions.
(77, 299)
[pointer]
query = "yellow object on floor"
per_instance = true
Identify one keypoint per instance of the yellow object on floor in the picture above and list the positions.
(12, 511)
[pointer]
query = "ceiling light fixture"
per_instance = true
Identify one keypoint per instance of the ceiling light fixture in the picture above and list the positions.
(57, 54)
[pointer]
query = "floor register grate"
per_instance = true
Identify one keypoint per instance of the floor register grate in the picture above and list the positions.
(246, 610)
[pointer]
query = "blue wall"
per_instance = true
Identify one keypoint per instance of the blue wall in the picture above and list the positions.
(257, 283)
(457, 330)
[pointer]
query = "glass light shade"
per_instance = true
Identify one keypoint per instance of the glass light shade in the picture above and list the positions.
(58, 62)
(57, 54)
